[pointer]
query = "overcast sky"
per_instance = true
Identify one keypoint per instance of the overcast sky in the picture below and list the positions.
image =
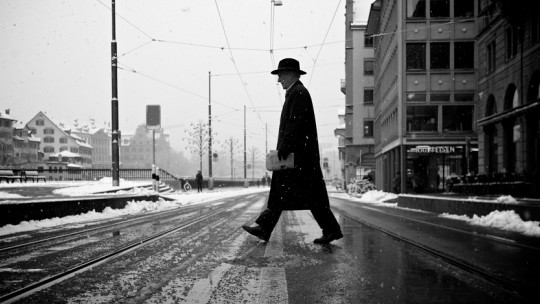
(55, 58)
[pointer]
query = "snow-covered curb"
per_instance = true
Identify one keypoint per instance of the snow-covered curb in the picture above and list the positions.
(178, 200)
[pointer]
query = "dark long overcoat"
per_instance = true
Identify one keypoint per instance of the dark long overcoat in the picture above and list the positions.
(302, 187)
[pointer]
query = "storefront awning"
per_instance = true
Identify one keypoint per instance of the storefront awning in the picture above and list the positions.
(517, 111)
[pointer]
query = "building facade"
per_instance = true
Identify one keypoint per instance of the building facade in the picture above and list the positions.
(6, 139)
(357, 153)
(424, 92)
(19, 148)
(136, 150)
(55, 140)
(509, 85)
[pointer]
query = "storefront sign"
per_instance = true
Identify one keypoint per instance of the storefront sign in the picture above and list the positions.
(433, 149)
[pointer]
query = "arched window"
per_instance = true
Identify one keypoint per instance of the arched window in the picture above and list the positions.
(511, 98)
(532, 129)
(511, 133)
(533, 93)
(491, 107)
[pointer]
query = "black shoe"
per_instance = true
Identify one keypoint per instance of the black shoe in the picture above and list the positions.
(257, 231)
(326, 239)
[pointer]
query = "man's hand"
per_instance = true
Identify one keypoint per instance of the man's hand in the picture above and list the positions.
(282, 154)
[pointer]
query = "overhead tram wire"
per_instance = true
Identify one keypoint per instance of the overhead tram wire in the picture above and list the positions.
(129, 22)
(234, 62)
(285, 48)
(129, 69)
(320, 49)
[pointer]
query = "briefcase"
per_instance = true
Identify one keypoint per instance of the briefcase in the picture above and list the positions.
(274, 164)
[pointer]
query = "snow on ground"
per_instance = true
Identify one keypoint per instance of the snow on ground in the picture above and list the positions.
(507, 220)
(375, 197)
(180, 199)
(104, 184)
(5, 195)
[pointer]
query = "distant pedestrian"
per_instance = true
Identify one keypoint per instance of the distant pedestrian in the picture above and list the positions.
(396, 183)
(303, 187)
(263, 180)
(199, 179)
(258, 183)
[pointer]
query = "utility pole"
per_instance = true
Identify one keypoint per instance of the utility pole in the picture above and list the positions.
(210, 179)
(245, 156)
(114, 104)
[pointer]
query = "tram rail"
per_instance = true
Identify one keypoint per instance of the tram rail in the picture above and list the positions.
(35, 287)
(509, 286)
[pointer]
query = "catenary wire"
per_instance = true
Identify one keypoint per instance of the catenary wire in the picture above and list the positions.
(320, 49)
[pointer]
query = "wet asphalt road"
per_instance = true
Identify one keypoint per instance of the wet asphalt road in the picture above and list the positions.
(217, 262)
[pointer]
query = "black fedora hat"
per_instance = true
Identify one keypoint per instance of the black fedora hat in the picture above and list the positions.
(288, 64)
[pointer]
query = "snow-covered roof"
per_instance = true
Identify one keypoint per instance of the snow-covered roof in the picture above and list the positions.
(65, 153)
(6, 116)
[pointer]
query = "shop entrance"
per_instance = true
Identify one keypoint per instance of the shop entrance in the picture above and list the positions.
(430, 169)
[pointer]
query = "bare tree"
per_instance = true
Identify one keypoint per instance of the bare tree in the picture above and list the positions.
(231, 145)
(197, 139)
(254, 152)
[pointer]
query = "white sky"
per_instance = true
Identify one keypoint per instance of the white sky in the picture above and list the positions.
(55, 57)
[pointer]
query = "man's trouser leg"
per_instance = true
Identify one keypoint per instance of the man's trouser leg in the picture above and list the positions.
(268, 219)
(326, 220)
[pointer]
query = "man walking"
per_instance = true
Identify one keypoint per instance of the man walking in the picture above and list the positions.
(302, 187)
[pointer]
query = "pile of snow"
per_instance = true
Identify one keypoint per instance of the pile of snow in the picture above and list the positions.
(104, 184)
(506, 199)
(5, 195)
(108, 213)
(371, 197)
(507, 220)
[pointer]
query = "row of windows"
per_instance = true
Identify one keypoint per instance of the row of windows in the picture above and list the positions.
(49, 149)
(440, 8)
(426, 118)
(440, 56)
(440, 97)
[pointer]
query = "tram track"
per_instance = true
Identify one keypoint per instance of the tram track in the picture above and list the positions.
(65, 237)
(205, 212)
(508, 285)
(66, 274)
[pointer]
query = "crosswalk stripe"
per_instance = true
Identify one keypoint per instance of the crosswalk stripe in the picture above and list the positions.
(202, 289)
(273, 288)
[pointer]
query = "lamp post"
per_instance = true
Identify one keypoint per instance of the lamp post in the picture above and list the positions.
(245, 155)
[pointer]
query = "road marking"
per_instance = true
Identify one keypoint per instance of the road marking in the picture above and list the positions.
(274, 248)
(273, 288)
(202, 289)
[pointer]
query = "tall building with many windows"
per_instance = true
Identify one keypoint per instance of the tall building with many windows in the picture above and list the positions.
(357, 152)
(424, 92)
